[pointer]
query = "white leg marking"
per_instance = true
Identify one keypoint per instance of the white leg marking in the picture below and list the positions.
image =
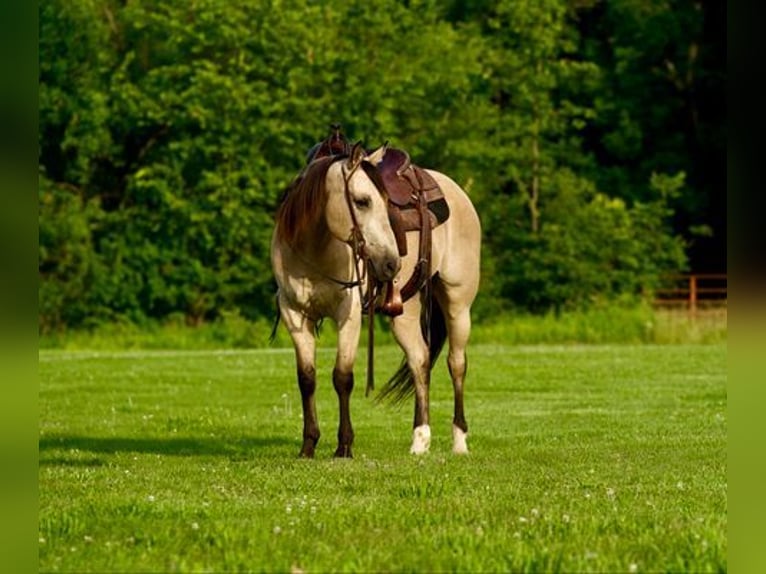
(459, 445)
(421, 439)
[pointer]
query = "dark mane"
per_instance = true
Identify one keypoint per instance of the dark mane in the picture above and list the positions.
(303, 202)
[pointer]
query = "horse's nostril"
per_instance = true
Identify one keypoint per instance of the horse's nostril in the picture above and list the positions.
(392, 266)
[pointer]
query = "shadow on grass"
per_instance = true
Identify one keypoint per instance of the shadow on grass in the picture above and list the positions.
(175, 446)
(73, 462)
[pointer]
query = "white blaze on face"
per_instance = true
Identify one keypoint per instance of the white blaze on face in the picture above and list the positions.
(421, 439)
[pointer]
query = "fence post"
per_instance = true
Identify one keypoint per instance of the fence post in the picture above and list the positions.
(692, 295)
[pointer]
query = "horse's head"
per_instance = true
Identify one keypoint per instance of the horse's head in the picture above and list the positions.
(357, 212)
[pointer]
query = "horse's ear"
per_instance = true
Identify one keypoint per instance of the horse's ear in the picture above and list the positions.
(357, 155)
(377, 156)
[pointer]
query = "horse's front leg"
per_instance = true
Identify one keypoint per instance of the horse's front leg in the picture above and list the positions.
(302, 333)
(349, 328)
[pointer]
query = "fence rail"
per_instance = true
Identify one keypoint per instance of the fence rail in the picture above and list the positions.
(694, 292)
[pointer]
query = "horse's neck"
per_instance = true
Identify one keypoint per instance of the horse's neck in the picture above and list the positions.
(328, 259)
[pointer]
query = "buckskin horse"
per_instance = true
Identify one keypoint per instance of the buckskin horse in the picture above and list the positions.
(358, 232)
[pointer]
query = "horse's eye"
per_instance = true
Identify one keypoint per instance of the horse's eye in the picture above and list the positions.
(362, 202)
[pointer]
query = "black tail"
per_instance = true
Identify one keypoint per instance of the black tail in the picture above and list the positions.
(402, 384)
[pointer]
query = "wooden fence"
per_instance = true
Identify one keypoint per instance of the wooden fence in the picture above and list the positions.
(694, 292)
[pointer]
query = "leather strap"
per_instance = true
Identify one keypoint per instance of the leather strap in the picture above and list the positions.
(370, 332)
(422, 271)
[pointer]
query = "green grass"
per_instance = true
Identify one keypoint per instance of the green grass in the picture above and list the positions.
(584, 458)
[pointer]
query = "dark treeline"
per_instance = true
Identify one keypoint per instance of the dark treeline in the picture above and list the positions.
(590, 135)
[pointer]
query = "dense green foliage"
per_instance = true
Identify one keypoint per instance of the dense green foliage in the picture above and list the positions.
(168, 130)
(584, 459)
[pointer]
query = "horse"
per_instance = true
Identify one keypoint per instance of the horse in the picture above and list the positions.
(332, 230)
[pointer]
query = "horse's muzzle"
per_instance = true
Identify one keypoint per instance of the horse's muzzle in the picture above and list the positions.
(386, 268)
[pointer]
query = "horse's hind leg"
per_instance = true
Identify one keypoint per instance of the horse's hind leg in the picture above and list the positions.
(302, 333)
(459, 328)
(455, 300)
(408, 334)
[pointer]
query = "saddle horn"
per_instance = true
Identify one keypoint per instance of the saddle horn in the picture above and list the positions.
(337, 142)
(334, 144)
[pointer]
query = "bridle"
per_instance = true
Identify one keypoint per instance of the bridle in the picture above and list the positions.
(356, 239)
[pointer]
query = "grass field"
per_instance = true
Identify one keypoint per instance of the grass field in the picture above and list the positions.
(584, 458)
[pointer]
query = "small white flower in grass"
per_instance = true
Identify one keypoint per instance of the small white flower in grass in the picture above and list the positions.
(523, 519)
(277, 530)
(517, 534)
(150, 498)
(195, 526)
(565, 518)
(534, 512)
(41, 540)
(680, 485)
(610, 492)
(633, 567)
(87, 538)
(288, 509)
(587, 495)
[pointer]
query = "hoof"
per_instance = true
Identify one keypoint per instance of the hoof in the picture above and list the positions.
(307, 450)
(343, 452)
(421, 439)
(459, 445)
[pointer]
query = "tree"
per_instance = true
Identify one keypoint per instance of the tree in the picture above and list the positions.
(168, 131)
